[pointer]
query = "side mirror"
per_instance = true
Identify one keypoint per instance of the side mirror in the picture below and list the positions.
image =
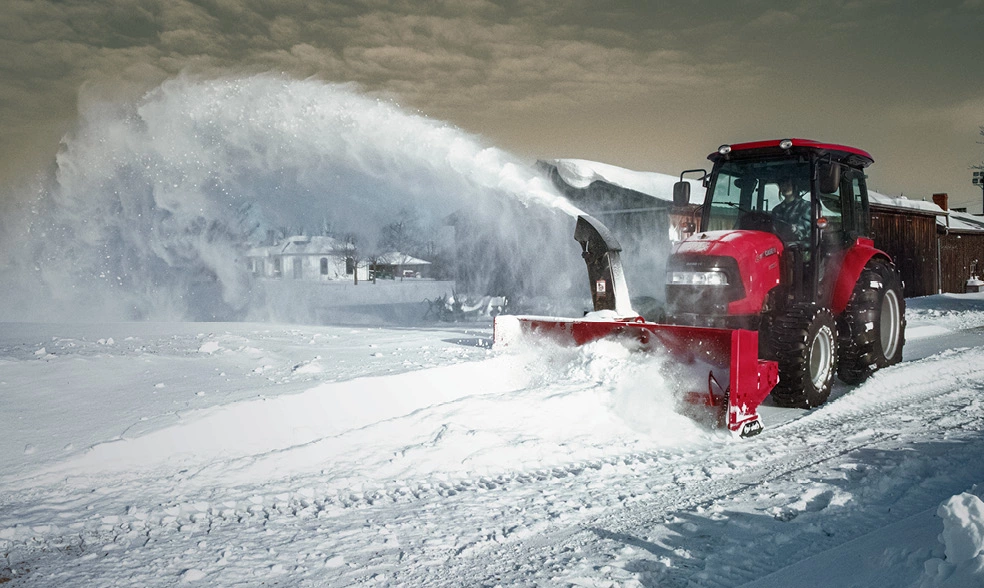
(681, 193)
(829, 177)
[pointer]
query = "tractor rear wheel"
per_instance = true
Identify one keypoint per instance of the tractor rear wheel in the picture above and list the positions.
(806, 348)
(872, 328)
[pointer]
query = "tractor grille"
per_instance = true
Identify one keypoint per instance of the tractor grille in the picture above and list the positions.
(699, 305)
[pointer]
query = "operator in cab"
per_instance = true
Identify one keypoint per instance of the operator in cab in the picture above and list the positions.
(793, 214)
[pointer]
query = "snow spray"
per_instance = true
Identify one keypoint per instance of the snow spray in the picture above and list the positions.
(152, 205)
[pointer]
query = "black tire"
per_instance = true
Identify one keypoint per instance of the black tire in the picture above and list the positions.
(806, 348)
(872, 328)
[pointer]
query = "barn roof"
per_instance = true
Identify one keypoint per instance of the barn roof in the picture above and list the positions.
(962, 222)
(905, 204)
(581, 173)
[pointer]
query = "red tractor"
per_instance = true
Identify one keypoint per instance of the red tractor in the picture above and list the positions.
(777, 289)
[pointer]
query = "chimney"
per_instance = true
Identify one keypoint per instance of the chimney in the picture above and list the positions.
(941, 200)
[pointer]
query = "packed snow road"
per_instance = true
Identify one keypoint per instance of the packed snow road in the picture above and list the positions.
(233, 454)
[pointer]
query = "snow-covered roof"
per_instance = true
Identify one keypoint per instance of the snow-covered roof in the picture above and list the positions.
(397, 258)
(958, 221)
(317, 245)
(961, 221)
(903, 202)
(580, 173)
(302, 245)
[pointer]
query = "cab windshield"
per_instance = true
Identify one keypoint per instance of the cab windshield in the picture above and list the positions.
(746, 194)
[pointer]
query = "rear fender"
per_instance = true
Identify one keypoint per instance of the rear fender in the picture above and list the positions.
(851, 267)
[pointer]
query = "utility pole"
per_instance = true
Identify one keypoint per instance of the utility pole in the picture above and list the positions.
(979, 182)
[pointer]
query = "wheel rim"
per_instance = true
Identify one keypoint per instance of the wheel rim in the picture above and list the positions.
(821, 357)
(889, 324)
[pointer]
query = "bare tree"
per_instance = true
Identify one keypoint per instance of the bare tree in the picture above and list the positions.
(351, 249)
(327, 227)
(404, 237)
(373, 261)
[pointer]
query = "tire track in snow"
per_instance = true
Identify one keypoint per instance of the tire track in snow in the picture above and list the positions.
(545, 518)
(857, 424)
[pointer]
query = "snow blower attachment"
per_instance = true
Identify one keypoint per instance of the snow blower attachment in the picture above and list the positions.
(730, 380)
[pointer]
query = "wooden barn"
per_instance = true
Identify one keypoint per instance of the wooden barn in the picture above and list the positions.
(936, 249)
(906, 230)
(961, 247)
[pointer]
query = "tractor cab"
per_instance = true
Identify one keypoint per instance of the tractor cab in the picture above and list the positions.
(784, 249)
(810, 196)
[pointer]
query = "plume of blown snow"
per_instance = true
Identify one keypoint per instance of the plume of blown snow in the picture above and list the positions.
(153, 204)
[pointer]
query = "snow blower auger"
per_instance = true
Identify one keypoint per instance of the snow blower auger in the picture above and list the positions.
(734, 380)
(780, 284)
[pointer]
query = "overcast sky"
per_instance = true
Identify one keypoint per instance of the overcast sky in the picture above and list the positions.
(651, 86)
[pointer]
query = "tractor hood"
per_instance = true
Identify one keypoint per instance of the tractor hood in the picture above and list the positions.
(744, 246)
(749, 259)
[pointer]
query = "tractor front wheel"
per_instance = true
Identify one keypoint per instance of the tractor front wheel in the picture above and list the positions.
(872, 328)
(806, 348)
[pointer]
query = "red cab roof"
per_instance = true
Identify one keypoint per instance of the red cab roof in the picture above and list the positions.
(841, 152)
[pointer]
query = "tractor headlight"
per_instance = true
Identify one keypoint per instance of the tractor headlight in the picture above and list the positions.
(711, 278)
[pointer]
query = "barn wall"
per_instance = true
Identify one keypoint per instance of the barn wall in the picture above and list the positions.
(957, 252)
(910, 239)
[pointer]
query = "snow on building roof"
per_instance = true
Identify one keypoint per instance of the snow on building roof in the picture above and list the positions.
(317, 245)
(302, 245)
(580, 173)
(957, 221)
(905, 203)
(397, 258)
(961, 221)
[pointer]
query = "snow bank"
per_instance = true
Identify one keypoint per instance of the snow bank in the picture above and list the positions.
(963, 538)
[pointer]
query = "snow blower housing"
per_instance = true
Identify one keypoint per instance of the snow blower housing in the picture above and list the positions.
(779, 288)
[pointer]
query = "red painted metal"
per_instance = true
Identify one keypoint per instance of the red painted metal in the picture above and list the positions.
(808, 143)
(729, 356)
(757, 254)
(850, 270)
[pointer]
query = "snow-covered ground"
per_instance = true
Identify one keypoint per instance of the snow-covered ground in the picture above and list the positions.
(151, 454)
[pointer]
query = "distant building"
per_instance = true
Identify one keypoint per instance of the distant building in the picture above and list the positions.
(325, 259)
(398, 265)
(308, 258)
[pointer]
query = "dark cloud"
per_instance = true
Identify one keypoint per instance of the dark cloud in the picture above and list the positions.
(622, 82)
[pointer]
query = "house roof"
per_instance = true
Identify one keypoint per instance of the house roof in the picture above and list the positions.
(303, 245)
(317, 245)
(397, 258)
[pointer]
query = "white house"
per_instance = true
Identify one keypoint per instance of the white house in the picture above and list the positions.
(308, 258)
